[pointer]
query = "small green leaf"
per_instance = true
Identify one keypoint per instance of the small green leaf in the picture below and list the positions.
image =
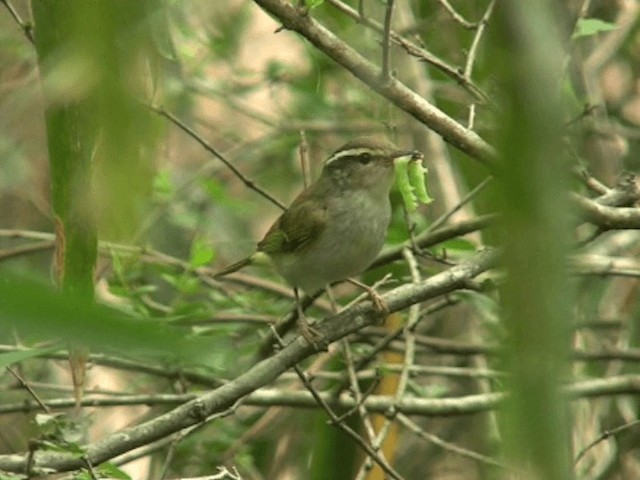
(162, 184)
(587, 27)
(202, 253)
(71, 318)
(109, 470)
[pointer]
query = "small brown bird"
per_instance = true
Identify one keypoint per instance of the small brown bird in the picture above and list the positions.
(335, 228)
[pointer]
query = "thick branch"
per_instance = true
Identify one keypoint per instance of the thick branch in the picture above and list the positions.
(262, 374)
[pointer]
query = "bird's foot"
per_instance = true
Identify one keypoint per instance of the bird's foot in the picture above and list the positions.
(378, 302)
(311, 334)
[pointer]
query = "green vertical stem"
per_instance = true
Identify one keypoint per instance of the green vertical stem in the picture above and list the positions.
(535, 233)
(70, 139)
(95, 59)
(91, 55)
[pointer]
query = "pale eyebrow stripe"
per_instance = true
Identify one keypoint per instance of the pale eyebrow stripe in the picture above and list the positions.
(352, 152)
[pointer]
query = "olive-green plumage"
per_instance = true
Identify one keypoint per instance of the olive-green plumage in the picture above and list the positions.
(335, 228)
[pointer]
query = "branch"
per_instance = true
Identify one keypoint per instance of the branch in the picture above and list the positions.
(386, 43)
(414, 50)
(26, 27)
(396, 92)
(270, 397)
(431, 238)
(209, 148)
(610, 218)
(262, 374)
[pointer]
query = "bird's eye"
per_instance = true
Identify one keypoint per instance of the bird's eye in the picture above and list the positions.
(365, 158)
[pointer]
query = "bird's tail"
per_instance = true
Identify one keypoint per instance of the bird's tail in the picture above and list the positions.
(234, 267)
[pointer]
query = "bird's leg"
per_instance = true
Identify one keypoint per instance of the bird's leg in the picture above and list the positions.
(332, 299)
(377, 300)
(310, 334)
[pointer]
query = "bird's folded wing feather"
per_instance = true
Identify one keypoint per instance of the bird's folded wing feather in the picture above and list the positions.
(295, 229)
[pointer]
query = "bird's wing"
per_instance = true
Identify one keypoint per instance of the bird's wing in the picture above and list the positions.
(296, 228)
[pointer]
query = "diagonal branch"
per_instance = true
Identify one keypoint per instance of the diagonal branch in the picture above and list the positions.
(262, 374)
(414, 50)
(396, 92)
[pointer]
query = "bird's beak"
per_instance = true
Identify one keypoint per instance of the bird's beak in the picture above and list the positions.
(407, 155)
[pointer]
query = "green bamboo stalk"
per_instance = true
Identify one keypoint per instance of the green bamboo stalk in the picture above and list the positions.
(92, 57)
(96, 134)
(70, 136)
(534, 228)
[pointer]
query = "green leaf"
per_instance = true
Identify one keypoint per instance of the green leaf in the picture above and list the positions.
(202, 253)
(162, 183)
(7, 359)
(587, 27)
(109, 470)
(36, 309)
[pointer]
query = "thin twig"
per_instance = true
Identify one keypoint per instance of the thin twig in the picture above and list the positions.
(386, 43)
(92, 472)
(429, 239)
(387, 339)
(189, 131)
(471, 122)
(413, 50)
(26, 249)
(473, 50)
(334, 419)
(357, 393)
(466, 199)
(409, 359)
(26, 27)
(348, 430)
(584, 9)
(456, 16)
(303, 150)
(463, 452)
(28, 388)
(605, 434)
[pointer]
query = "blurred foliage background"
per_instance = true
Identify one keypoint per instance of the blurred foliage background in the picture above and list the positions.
(119, 122)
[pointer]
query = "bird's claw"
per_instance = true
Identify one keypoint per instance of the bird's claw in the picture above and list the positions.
(312, 335)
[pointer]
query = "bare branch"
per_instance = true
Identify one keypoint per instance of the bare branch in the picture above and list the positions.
(463, 452)
(189, 131)
(386, 43)
(473, 50)
(414, 50)
(456, 16)
(26, 28)
(398, 93)
(611, 218)
(265, 372)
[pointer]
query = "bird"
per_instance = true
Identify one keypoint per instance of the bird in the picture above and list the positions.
(335, 228)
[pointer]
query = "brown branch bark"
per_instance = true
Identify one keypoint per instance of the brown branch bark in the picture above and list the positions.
(299, 20)
(227, 396)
